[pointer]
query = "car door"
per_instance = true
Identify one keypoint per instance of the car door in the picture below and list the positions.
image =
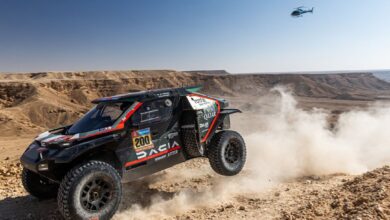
(153, 125)
(154, 143)
(156, 115)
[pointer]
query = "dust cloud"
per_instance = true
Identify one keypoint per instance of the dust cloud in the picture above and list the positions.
(283, 142)
(289, 142)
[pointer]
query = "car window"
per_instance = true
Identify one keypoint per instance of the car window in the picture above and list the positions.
(101, 116)
(153, 111)
(152, 115)
(112, 111)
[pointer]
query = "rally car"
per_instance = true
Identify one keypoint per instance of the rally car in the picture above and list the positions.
(126, 137)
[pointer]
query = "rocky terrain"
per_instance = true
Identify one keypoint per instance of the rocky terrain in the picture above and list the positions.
(33, 102)
(365, 197)
(337, 196)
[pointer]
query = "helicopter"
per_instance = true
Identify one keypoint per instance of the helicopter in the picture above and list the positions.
(298, 12)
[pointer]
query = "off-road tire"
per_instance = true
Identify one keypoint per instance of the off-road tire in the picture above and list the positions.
(191, 143)
(38, 186)
(74, 187)
(217, 153)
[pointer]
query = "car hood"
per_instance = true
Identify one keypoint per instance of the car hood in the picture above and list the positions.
(47, 138)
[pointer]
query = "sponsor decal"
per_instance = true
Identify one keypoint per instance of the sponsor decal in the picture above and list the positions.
(163, 94)
(155, 151)
(166, 155)
(161, 157)
(150, 115)
(204, 125)
(172, 153)
(104, 129)
(142, 140)
(168, 102)
(165, 150)
(209, 113)
(55, 139)
(198, 103)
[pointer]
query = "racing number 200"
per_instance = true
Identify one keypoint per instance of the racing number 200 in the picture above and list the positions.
(142, 141)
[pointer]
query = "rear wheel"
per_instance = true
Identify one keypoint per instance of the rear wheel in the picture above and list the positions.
(90, 191)
(38, 186)
(227, 153)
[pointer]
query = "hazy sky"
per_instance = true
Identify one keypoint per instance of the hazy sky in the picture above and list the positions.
(236, 35)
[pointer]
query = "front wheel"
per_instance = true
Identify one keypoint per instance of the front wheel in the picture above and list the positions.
(227, 153)
(91, 190)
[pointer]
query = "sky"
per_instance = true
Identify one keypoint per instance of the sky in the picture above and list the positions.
(240, 36)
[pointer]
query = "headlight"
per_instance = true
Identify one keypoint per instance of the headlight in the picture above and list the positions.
(43, 167)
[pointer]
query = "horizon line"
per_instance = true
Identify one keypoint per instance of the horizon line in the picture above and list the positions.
(203, 70)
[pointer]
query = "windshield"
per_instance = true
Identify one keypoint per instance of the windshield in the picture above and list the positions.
(101, 116)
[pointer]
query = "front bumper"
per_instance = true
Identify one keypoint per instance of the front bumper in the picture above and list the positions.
(33, 158)
(35, 155)
(29, 163)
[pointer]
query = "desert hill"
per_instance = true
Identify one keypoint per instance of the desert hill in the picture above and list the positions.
(31, 102)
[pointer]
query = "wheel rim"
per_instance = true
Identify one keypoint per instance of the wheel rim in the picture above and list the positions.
(233, 151)
(96, 194)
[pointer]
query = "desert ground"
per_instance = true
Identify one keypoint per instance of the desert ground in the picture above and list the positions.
(318, 146)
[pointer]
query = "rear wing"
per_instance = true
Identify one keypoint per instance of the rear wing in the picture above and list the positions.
(230, 111)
